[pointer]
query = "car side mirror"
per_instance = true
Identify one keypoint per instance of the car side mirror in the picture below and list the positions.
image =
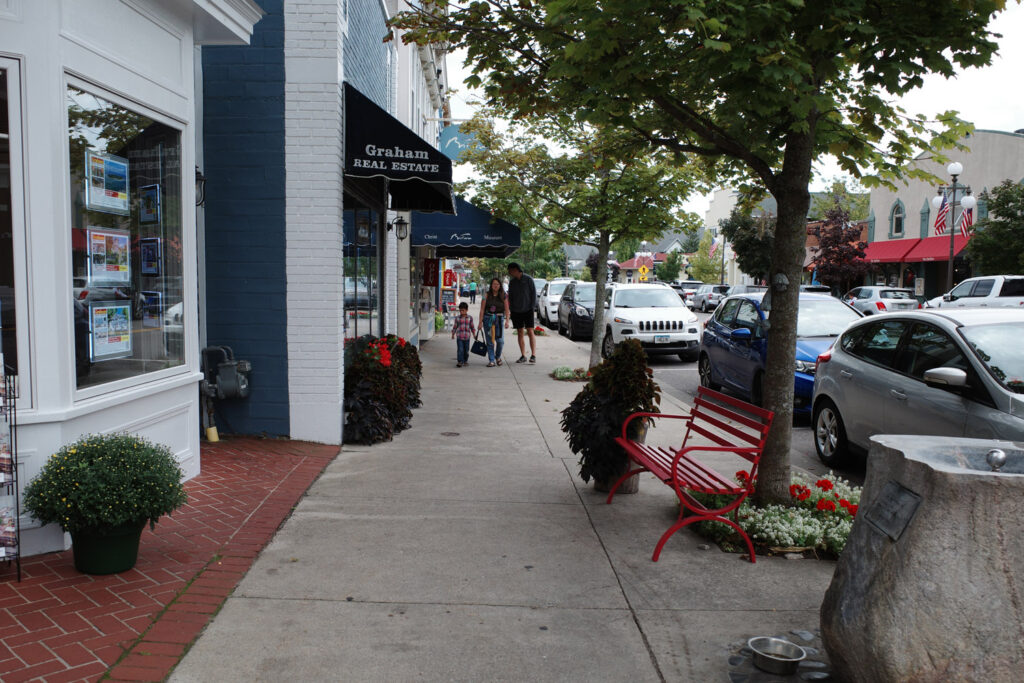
(945, 378)
(948, 297)
(741, 334)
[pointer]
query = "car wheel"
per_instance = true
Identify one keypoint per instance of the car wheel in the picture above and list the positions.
(704, 306)
(829, 434)
(561, 330)
(572, 331)
(704, 371)
(757, 391)
(608, 345)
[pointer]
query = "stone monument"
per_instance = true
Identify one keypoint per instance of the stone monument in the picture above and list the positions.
(930, 586)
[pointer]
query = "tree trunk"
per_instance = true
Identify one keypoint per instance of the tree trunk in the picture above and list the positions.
(604, 243)
(790, 191)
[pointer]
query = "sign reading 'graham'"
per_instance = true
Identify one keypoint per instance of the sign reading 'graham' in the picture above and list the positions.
(395, 159)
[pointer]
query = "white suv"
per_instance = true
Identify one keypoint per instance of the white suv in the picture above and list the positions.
(991, 291)
(653, 314)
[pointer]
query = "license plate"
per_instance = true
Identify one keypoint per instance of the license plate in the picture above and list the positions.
(661, 339)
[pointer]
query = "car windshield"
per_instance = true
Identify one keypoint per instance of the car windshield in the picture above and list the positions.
(823, 317)
(555, 289)
(585, 293)
(998, 347)
(655, 297)
(894, 294)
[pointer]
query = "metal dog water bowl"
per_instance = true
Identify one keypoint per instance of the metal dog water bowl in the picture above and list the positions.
(775, 655)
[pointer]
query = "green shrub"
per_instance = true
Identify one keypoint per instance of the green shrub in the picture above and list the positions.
(382, 385)
(106, 481)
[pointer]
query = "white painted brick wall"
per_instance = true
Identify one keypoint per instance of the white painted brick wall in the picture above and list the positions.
(315, 257)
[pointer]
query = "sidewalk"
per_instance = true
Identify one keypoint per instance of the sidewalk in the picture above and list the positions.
(60, 625)
(468, 549)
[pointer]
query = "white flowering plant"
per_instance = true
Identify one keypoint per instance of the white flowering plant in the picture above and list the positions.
(819, 518)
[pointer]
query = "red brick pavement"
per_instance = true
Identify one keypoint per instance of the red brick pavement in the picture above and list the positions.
(59, 625)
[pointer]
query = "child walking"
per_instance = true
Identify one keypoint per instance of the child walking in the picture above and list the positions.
(462, 331)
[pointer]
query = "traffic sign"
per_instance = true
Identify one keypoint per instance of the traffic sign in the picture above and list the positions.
(643, 278)
(644, 270)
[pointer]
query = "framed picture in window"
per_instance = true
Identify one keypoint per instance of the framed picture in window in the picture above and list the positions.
(110, 330)
(149, 204)
(109, 255)
(149, 256)
(106, 183)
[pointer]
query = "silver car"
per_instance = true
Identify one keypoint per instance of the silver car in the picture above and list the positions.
(957, 373)
(876, 299)
(707, 297)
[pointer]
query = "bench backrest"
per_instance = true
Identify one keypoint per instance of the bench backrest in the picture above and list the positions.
(728, 421)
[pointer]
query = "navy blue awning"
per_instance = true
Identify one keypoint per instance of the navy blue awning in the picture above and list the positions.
(472, 232)
(377, 145)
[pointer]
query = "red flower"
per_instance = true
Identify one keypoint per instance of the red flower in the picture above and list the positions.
(804, 495)
(843, 503)
(743, 476)
(824, 484)
(794, 490)
(826, 505)
(852, 509)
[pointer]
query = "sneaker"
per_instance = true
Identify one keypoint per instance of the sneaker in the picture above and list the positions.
(458, 365)
(533, 359)
(522, 359)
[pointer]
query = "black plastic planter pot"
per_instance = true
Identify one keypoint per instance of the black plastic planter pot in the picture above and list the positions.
(107, 551)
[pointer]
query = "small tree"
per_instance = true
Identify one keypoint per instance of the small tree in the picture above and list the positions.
(752, 240)
(998, 242)
(704, 265)
(670, 268)
(839, 256)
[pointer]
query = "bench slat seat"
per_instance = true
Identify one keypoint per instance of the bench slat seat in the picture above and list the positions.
(731, 426)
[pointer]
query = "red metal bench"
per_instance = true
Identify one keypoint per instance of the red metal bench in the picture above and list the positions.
(733, 426)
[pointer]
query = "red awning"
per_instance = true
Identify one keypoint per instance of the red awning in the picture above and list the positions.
(936, 248)
(890, 251)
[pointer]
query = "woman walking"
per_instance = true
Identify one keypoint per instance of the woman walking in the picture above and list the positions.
(493, 316)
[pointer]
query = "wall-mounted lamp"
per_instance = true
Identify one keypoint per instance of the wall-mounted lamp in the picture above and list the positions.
(439, 72)
(200, 187)
(401, 227)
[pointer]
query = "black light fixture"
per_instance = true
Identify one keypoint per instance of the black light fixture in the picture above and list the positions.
(200, 187)
(401, 227)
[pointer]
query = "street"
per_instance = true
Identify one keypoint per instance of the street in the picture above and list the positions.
(680, 378)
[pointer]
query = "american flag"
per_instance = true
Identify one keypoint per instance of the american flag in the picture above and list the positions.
(940, 219)
(714, 247)
(966, 221)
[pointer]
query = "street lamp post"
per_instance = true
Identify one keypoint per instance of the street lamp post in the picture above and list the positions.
(967, 203)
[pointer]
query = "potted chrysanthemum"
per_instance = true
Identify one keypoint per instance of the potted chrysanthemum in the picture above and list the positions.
(102, 489)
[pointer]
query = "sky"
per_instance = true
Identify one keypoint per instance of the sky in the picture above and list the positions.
(989, 97)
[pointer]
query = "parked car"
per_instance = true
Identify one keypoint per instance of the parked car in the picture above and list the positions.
(989, 291)
(359, 294)
(733, 346)
(686, 289)
(746, 289)
(707, 297)
(538, 283)
(653, 314)
(820, 289)
(576, 310)
(956, 373)
(876, 299)
(548, 298)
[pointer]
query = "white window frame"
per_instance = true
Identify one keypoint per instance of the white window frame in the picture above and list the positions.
(184, 370)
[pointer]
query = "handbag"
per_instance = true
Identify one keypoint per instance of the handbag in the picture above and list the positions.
(478, 347)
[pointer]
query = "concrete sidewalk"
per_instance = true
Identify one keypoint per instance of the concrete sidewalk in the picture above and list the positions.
(468, 549)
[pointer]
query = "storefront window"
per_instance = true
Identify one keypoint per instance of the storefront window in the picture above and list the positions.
(7, 312)
(361, 287)
(126, 241)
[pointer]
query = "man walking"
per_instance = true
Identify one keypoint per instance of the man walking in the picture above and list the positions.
(522, 299)
(472, 292)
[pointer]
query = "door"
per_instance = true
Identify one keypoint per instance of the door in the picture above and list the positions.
(913, 407)
(745, 357)
(865, 379)
(716, 337)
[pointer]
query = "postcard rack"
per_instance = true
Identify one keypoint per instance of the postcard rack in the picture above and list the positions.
(10, 509)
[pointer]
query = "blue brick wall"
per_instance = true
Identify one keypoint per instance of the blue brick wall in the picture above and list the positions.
(365, 54)
(243, 138)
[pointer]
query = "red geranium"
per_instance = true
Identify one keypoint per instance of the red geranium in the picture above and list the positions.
(826, 505)
(824, 484)
(852, 509)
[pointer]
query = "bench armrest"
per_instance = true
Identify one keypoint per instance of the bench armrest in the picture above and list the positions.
(755, 454)
(635, 415)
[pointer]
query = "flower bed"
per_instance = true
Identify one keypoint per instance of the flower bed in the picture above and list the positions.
(817, 522)
(382, 385)
(539, 331)
(566, 374)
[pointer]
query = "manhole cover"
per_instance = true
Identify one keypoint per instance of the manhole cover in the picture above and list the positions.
(449, 433)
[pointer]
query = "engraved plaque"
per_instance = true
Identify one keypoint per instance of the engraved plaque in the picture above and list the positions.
(893, 509)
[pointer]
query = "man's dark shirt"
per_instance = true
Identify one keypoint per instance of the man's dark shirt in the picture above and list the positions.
(522, 294)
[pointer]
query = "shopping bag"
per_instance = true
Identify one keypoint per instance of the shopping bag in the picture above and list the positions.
(478, 347)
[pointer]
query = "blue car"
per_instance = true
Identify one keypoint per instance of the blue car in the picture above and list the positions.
(733, 346)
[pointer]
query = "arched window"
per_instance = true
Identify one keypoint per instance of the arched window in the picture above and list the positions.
(897, 218)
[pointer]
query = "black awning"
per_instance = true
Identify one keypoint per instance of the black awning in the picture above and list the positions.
(377, 145)
(473, 232)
